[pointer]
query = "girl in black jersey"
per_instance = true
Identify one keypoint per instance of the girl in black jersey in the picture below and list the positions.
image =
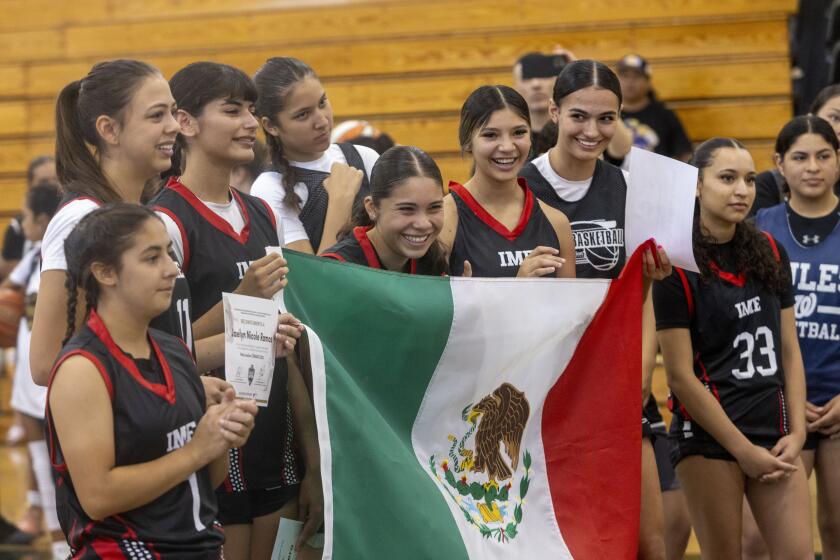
(217, 233)
(398, 225)
(728, 337)
(493, 221)
(314, 184)
(572, 177)
(807, 226)
(135, 445)
(124, 109)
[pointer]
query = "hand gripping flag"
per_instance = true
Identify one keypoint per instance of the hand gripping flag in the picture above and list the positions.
(472, 417)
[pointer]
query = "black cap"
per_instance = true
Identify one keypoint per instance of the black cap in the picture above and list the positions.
(539, 65)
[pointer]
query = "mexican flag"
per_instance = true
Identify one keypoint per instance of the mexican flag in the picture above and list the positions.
(472, 417)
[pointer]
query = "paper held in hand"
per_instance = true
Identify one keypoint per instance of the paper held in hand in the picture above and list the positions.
(250, 329)
(660, 204)
(284, 543)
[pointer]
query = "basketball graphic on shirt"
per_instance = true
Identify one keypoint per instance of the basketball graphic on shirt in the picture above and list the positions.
(598, 243)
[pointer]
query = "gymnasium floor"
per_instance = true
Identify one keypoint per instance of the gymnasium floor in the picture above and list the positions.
(12, 472)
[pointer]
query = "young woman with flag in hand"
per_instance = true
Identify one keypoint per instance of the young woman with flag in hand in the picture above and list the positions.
(493, 221)
(135, 472)
(807, 226)
(398, 225)
(728, 337)
(573, 178)
(217, 234)
(315, 184)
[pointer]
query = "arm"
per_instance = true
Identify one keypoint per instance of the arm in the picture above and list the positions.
(794, 383)
(218, 469)
(49, 324)
(310, 498)
(621, 142)
(563, 229)
(342, 185)
(87, 441)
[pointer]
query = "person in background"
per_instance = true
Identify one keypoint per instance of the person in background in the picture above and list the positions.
(362, 133)
(655, 127)
(243, 176)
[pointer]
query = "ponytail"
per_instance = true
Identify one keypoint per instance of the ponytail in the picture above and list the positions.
(107, 89)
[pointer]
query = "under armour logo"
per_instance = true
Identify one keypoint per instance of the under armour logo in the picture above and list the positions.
(807, 240)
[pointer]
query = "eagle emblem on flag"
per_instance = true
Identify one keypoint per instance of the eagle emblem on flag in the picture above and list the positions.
(478, 475)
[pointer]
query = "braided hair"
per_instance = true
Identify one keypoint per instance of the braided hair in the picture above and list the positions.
(100, 237)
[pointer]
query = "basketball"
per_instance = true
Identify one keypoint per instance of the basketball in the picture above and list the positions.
(11, 311)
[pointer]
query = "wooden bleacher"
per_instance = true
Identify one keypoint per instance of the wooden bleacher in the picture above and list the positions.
(405, 65)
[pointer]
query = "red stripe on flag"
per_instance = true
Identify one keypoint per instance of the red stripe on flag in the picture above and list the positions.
(591, 428)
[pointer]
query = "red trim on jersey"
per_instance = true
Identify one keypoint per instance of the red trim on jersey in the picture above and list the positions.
(360, 233)
(689, 298)
(214, 219)
(72, 200)
(705, 377)
(735, 279)
(185, 244)
(107, 549)
(488, 219)
(105, 377)
(166, 392)
(773, 246)
(335, 256)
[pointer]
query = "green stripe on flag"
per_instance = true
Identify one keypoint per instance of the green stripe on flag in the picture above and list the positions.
(371, 324)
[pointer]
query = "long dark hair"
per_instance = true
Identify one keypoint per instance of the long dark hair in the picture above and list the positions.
(805, 124)
(106, 90)
(581, 74)
(752, 252)
(102, 237)
(392, 169)
(274, 81)
(480, 106)
(196, 85)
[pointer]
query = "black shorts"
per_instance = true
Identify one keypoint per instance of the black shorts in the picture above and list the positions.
(237, 508)
(812, 441)
(662, 449)
(647, 432)
(708, 447)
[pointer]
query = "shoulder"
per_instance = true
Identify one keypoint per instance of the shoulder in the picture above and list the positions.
(557, 218)
(77, 372)
(450, 220)
(347, 249)
(369, 156)
(268, 186)
(60, 226)
(765, 214)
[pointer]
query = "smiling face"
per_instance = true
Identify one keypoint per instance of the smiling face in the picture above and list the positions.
(809, 167)
(305, 123)
(500, 148)
(586, 120)
(410, 219)
(727, 187)
(831, 112)
(147, 130)
(226, 130)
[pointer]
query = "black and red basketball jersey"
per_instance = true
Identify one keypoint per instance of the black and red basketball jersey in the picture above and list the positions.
(356, 248)
(735, 326)
(156, 410)
(493, 250)
(177, 320)
(597, 219)
(215, 261)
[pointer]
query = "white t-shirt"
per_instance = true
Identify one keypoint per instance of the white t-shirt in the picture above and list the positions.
(228, 211)
(27, 397)
(60, 226)
(269, 187)
(571, 191)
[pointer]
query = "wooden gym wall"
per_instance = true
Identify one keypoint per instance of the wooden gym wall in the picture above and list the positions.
(405, 65)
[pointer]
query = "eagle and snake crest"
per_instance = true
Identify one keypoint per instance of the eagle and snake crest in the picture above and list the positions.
(480, 480)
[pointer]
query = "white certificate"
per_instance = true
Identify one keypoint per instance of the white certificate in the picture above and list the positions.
(660, 204)
(287, 535)
(250, 328)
